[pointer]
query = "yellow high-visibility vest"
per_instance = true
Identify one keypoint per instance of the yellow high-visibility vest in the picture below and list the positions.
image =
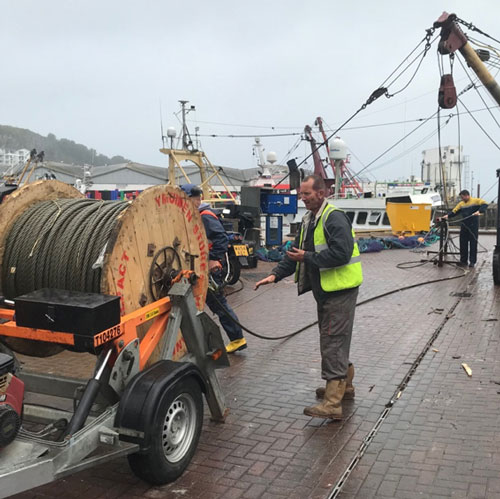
(346, 276)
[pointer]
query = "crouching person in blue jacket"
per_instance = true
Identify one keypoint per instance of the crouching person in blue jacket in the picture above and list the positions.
(218, 243)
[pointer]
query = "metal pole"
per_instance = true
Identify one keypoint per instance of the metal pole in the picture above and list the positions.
(89, 395)
(442, 167)
(441, 244)
(338, 178)
(481, 71)
(498, 211)
(496, 251)
(183, 107)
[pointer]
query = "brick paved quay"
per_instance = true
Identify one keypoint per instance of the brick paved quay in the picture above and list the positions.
(439, 438)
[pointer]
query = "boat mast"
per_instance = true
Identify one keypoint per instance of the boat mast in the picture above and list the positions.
(259, 151)
(344, 179)
(189, 153)
(319, 169)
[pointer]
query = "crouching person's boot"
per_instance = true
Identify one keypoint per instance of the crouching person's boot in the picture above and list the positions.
(349, 388)
(331, 406)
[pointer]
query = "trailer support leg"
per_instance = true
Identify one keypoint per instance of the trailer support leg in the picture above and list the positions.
(185, 313)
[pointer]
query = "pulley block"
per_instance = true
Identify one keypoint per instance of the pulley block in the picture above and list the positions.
(447, 97)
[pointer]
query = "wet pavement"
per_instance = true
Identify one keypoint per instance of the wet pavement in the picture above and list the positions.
(418, 427)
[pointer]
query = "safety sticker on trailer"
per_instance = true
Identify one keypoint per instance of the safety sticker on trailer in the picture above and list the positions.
(152, 313)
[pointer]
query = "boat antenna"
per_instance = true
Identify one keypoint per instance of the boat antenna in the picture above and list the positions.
(163, 138)
(187, 142)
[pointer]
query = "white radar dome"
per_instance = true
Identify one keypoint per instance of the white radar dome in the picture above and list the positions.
(271, 157)
(338, 149)
(171, 132)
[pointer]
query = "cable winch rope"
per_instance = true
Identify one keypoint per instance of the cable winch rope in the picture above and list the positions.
(58, 244)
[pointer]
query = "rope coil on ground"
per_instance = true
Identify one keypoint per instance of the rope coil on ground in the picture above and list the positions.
(56, 244)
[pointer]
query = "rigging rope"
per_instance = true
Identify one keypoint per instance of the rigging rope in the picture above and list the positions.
(58, 244)
(478, 124)
(424, 53)
(394, 145)
(474, 28)
(441, 163)
(479, 93)
(379, 92)
(408, 150)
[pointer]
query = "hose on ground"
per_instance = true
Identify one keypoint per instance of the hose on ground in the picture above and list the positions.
(271, 338)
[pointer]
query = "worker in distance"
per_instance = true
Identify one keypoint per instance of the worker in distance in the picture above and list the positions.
(469, 209)
(326, 260)
(218, 245)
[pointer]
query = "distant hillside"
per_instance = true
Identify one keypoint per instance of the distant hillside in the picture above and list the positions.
(67, 151)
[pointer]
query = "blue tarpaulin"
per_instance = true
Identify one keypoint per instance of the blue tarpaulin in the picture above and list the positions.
(366, 245)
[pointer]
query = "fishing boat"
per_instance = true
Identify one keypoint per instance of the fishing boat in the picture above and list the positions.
(365, 203)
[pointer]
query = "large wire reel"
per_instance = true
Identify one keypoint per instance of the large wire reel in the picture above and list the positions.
(116, 247)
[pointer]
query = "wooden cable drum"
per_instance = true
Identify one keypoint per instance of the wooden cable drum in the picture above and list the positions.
(51, 236)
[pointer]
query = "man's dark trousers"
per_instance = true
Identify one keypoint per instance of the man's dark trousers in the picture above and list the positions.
(217, 302)
(468, 238)
(335, 320)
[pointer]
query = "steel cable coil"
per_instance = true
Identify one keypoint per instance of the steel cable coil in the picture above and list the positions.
(57, 244)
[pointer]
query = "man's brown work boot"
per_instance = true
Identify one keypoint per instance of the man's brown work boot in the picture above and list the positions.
(349, 389)
(331, 406)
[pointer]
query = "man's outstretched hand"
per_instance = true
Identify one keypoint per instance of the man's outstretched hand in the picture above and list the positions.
(268, 280)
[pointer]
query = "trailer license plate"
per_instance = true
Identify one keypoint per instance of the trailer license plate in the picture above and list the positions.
(240, 250)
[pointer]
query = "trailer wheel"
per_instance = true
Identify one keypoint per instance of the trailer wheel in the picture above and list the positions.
(5, 349)
(234, 270)
(174, 435)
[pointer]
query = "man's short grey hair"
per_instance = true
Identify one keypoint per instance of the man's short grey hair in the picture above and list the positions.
(318, 182)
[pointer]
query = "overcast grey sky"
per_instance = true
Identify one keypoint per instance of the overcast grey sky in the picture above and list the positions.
(96, 71)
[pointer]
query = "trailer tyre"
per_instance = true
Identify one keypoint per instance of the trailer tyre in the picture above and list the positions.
(174, 435)
(234, 271)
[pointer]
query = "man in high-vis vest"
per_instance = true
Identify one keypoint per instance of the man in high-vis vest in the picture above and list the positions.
(218, 242)
(325, 259)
